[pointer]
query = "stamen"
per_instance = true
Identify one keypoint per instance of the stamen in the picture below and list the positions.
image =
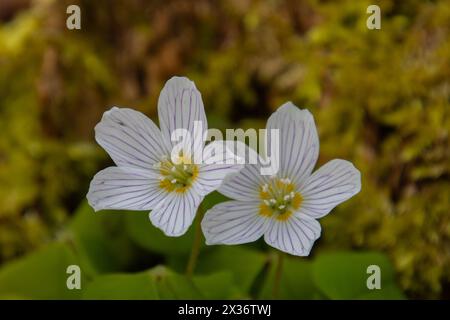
(279, 198)
(176, 177)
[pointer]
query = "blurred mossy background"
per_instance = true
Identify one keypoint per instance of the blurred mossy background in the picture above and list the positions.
(381, 99)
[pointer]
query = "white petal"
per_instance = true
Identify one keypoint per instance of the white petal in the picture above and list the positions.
(299, 143)
(220, 162)
(333, 183)
(296, 235)
(179, 105)
(244, 185)
(176, 214)
(130, 138)
(233, 222)
(125, 188)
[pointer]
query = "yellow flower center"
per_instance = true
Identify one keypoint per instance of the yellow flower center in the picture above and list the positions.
(279, 199)
(177, 176)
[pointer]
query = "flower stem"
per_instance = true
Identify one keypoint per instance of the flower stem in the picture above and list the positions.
(278, 272)
(195, 251)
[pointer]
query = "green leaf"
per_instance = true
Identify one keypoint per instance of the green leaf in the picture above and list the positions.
(217, 286)
(156, 283)
(161, 283)
(244, 264)
(172, 285)
(389, 292)
(40, 275)
(100, 239)
(122, 286)
(144, 234)
(296, 280)
(343, 275)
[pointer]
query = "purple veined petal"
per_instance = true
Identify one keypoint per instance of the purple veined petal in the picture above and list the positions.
(295, 236)
(298, 143)
(125, 188)
(176, 214)
(130, 138)
(233, 222)
(332, 184)
(245, 184)
(218, 163)
(180, 106)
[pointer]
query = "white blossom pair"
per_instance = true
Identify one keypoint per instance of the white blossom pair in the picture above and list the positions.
(283, 207)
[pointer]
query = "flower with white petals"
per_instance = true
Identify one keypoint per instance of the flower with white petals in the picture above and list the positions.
(283, 207)
(147, 175)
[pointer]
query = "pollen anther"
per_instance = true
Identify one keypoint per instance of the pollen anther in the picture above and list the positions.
(177, 176)
(279, 198)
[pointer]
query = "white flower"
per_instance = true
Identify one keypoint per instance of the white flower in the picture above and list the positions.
(147, 177)
(284, 207)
